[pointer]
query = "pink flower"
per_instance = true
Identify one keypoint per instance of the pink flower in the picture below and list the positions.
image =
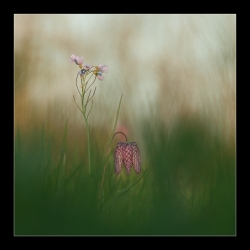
(127, 154)
(100, 76)
(103, 68)
(99, 70)
(76, 59)
(87, 67)
(84, 69)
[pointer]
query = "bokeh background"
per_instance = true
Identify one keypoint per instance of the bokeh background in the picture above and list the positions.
(177, 74)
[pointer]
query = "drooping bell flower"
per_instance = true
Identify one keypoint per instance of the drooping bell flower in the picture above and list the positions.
(127, 154)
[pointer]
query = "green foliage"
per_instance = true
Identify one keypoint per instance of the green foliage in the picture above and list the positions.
(187, 186)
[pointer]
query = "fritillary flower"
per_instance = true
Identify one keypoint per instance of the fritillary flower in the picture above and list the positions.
(127, 154)
(77, 60)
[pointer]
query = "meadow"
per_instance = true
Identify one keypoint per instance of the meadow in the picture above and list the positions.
(184, 128)
(187, 187)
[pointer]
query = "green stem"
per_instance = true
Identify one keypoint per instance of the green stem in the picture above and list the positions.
(86, 121)
(111, 138)
(87, 125)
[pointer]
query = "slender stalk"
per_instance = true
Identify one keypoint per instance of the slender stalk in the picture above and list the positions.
(117, 113)
(77, 86)
(87, 125)
(118, 133)
(84, 107)
(90, 108)
(91, 83)
(77, 104)
(111, 138)
(84, 82)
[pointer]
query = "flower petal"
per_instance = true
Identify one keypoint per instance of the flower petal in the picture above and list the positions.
(136, 157)
(128, 157)
(87, 66)
(79, 60)
(100, 76)
(104, 69)
(118, 158)
(72, 58)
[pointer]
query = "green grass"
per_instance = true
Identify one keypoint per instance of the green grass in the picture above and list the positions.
(187, 187)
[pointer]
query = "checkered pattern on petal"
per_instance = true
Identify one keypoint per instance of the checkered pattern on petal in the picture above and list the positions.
(118, 158)
(127, 154)
(136, 157)
(128, 157)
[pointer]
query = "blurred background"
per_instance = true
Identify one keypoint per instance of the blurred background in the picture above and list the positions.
(177, 74)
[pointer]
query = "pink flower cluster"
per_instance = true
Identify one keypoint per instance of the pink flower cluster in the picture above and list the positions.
(97, 70)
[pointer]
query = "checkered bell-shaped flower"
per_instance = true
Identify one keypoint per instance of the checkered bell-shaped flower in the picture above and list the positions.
(127, 154)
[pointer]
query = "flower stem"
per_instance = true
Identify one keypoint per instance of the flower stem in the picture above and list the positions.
(111, 138)
(84, 107)
(87, 125)
(116, 134)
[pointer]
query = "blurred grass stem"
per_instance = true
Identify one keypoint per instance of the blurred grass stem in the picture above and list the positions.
(112, 136)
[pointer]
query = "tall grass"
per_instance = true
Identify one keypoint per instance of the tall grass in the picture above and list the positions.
(187, 184)
(188, 188)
